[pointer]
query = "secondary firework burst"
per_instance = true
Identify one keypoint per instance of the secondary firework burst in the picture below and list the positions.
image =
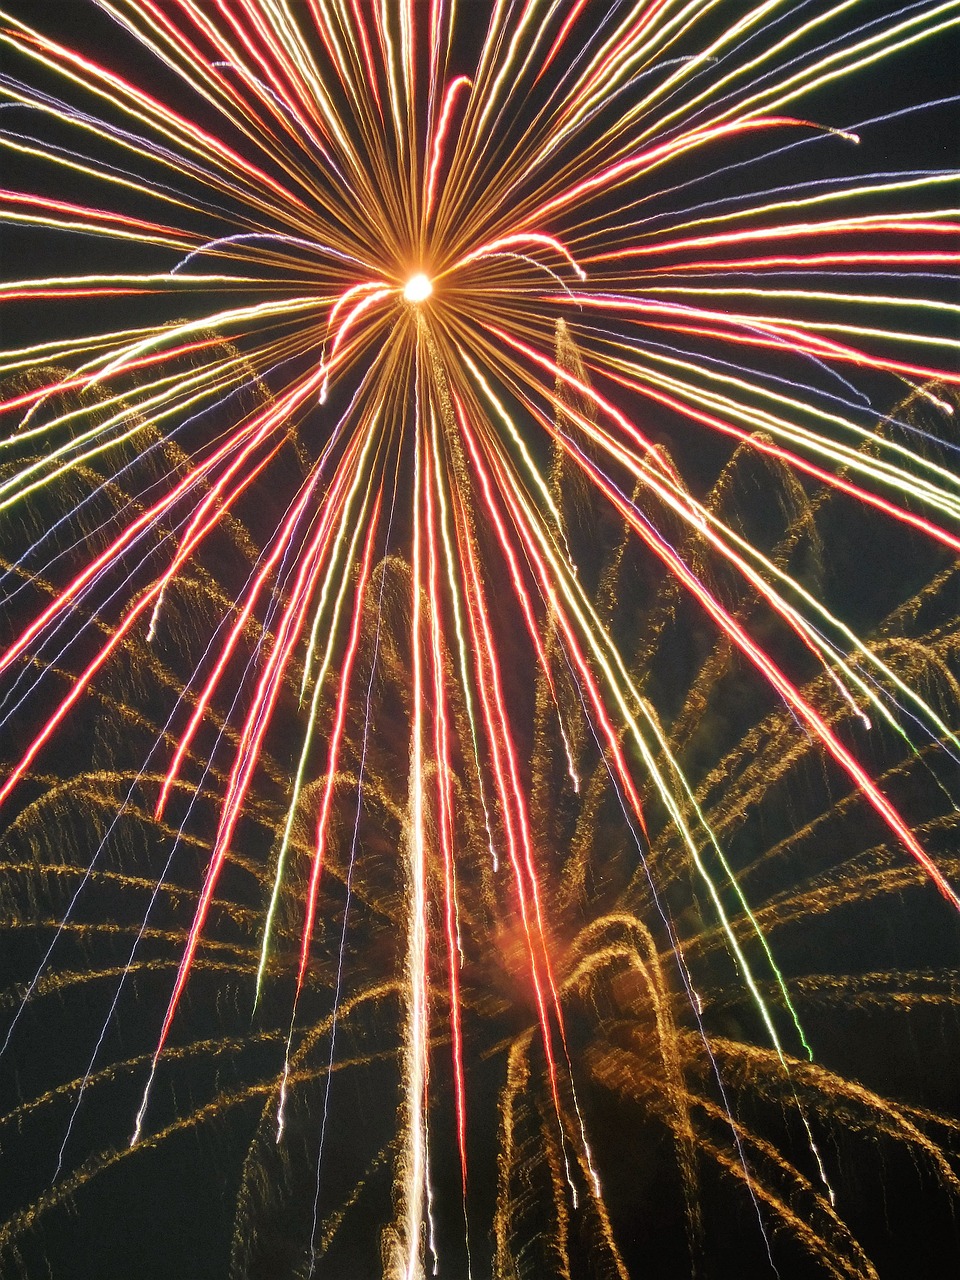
(436, 257)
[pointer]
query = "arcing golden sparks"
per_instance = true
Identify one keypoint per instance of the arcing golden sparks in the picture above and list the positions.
(394, 257)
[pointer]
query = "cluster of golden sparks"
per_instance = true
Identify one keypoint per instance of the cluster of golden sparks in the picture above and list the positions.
(445, 279)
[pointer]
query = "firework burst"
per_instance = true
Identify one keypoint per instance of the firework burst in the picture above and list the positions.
(407, 264)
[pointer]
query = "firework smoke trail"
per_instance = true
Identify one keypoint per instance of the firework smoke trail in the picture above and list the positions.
(417, 242)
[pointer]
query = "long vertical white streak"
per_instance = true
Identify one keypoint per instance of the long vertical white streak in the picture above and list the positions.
(413, 1156)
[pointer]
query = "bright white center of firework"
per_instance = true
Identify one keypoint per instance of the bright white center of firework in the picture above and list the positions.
(418, 288)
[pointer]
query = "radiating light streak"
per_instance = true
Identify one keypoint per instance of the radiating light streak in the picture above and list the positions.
(415, 1061)
(255, 432)
(800, 463)
(938, 222)
(807, 714)
(319, 681)
(461, 82)
(376, 294)
(120, 633)
(751, 330)
(530, 238)
(515, 574)
(73, 384)
(259, 237)
(935, 493)
(88, 219)
(196, 140)
(552, 571)
(454, 587)
(445, 816)
(336, 740)
(280, 546)
(73, 454)
(561, 36)
(537, 945)
(750, 649)
(825, 652)
(351, 868)
(343, 180)
(245, 762)
(592, 628)
(625, 170)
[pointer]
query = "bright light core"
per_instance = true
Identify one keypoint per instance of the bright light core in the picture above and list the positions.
(418, 288)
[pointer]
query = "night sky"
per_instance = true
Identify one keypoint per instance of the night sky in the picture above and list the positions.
(868, 949)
